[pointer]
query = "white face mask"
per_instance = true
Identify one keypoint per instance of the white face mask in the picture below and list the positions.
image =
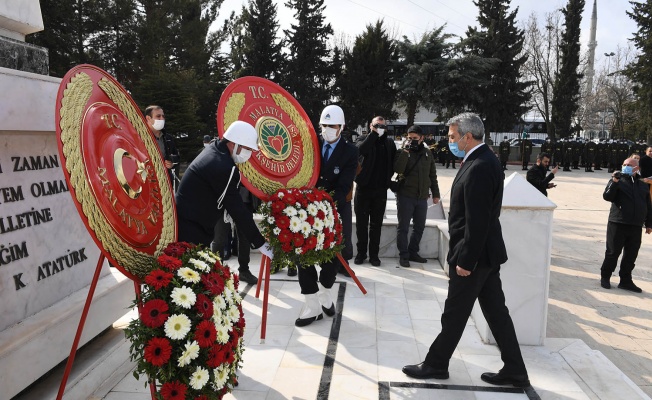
(206, 145)
(380, 131)
(329, 134)
(158, 124)
(242, 157)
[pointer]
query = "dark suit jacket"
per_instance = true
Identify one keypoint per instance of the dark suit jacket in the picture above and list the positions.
(366, 145)
(476, 238)
(337, 174)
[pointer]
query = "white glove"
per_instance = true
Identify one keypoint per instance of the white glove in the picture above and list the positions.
(266, 249)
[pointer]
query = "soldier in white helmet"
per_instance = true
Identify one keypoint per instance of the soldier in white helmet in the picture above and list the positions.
(339, 162)
(210, 186)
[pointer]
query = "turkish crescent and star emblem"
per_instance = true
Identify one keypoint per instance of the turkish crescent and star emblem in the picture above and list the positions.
(114, 170)
(289, 150)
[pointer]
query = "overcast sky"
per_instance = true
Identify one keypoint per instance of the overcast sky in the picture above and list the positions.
(414, 17)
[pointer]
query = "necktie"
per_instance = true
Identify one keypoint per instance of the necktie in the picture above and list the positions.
(327, 152)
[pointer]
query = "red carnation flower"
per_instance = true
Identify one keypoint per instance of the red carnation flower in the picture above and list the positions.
(285, 237)
(286, 247)
(236, 281)
(216, 356)
(204, 305)
(311, 197)
(277, 206)
(168, 262)
(158, 351)
(205, 335)
(174, 391)
(311, 242)
(202, 397)
(321, 215)
(290, 199)
(297, 240)
(158, 279)
(154, 313)
(177, 249)
(213, 282)
(283, 222)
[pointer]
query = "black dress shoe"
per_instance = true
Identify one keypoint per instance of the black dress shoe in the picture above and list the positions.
(307, 321)
(604, 282)
(247, 276)
(505, 380)
(404, 262)
(359, 259)
(375, 262)
(423, 371)
(329, 311)
(629, 286)
(292, 271)
(418, 258)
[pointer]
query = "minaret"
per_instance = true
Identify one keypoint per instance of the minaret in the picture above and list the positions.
(592, 45)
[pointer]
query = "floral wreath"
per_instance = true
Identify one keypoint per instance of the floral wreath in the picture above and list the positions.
(189, 334)
(303, 227)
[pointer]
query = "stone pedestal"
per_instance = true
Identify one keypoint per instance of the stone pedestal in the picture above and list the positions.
(17, 19)
(526, 220)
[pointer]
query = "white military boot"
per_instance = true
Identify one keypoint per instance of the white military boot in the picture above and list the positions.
(326, 300)
(311, 311)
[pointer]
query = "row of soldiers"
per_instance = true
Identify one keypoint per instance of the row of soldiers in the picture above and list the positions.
(575, 153)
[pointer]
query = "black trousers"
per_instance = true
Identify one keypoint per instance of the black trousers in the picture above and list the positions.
(483, 284)
(415, 210)
(369, 207)
(347, 229)
(621, 238)
(222, 238)
(308, 276)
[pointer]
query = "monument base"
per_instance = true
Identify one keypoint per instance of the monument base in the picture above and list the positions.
(23, 56)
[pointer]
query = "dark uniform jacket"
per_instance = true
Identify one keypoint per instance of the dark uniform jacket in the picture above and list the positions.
(198, 197)
(366, 145)
(336, 175)
(630, 201)
(476, 237)
(422, 178)
(537, 177)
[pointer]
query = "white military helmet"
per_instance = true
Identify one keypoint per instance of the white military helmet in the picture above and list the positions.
(242, 133)
(332, 115)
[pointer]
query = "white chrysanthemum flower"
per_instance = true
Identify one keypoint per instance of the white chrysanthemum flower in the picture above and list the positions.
(183, 297)
(305, 229)
(312, 209)
(295, 224)
(199, 378)
(177, 326)
(277, 231)
(237, 298)
(200, 265)
(209, 258)
(303, 214)
(319, 246)
(222, 333)
(270, 219)
(219, 304)
(190, 353)
(228, 295)
(188, 275)
(321, 238)
(290, 211)
(298, 250)
(221, 376)
(230, 284)
(332, 245)
(280, 195)
(318, 225)
(233, 314)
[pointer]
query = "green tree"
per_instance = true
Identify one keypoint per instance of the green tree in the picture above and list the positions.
(505, 96)
(566, 90)
(465, 76)
(308, 75)
(261, 49)
(421, 71)
(640, 70)
(365, 86)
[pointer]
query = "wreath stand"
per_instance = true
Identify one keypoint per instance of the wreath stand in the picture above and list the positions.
(265, 265)
(82, 322)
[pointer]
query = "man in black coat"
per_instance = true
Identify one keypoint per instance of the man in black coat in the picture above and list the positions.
(476, 251)
(630, 211)
(537, 174)
(211, 183)
(377, 153)
(339, 163)
(155, 118)
(504, 152)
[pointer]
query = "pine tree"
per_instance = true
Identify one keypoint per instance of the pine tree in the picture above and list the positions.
(366, 84)
(308, 75)
(504, 99)
(566, 90)
(640, 71)
(261, 49)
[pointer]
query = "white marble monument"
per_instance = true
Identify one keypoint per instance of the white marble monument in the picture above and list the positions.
(47, 258)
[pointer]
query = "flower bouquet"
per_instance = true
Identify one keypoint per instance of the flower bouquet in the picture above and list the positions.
(189, 334)
(302, 226)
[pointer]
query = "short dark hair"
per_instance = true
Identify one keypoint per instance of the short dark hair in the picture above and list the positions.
(150, 109)
(415, 129)
(543, 155)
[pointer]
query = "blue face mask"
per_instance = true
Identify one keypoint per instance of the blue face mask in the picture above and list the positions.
(627, 170)
(456, 150)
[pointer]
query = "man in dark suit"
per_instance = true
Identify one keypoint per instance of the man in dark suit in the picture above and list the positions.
(377, 153)
(476, 251)
(339, 163)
